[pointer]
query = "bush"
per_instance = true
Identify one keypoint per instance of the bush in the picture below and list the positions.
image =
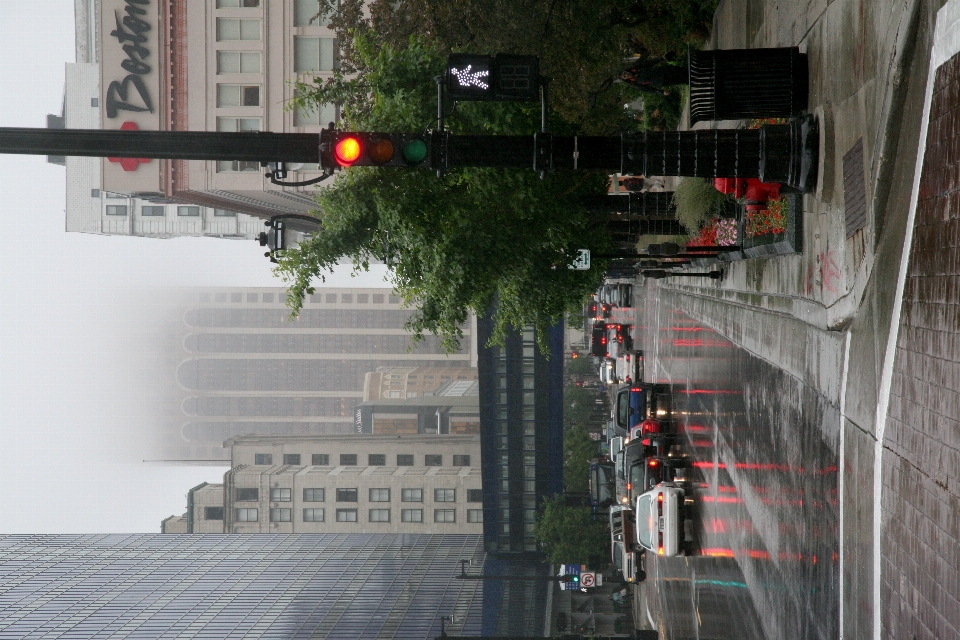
(697, 201)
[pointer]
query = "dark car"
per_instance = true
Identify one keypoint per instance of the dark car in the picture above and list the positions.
(598, 340)
(644, 468)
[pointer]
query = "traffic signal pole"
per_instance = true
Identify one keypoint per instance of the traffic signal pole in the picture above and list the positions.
(774, 153)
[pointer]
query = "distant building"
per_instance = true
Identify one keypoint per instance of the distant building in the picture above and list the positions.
(342, 484)
(238, 365)
(521, 426)
(415, 382)
(356, 585)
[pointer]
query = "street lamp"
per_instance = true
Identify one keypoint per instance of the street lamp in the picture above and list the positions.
(286, 231)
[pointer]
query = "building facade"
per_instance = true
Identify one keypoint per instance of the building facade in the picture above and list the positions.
(239, 365)
(210, 65)
(337, 484)
(258, 586)
(92, 207)
(521, 427)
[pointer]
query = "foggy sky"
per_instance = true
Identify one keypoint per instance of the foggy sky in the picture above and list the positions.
(71, 332)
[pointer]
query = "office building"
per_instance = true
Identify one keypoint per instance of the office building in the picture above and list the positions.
(92, 207)
(521, 426)
(285, 586)
(341, 484)
(239, 366)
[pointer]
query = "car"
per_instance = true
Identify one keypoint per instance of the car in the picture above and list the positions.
(608, 371)
(619, 338)
(643, 466)
(598, 340)
(640, 401)
(629, 367)
(602, 485)
(623, 544)
(659, 516)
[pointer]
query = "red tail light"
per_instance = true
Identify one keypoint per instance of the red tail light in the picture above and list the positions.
(653, 463)
(635, 389)
(629, 487)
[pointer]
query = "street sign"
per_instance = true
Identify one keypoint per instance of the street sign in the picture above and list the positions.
(582, 261)
(587, 579)
(594, 435)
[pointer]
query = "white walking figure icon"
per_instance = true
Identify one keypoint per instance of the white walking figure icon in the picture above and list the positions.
(468, 79)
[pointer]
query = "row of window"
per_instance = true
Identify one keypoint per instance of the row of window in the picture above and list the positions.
(158, 212)
(351, 459)
(344, 515)
(313, 494)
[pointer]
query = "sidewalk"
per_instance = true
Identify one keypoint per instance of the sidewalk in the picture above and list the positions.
(832, 318)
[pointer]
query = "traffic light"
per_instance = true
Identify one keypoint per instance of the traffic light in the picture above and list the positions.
(363, 149)
(571, 579)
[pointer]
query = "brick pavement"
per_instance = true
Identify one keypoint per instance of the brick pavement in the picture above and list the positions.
(920, 569)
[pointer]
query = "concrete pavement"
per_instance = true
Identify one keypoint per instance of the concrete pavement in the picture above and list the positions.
(855, 317)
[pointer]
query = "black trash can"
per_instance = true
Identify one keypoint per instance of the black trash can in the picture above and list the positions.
(747, 83)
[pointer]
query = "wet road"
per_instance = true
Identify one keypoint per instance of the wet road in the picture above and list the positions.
(762, 451)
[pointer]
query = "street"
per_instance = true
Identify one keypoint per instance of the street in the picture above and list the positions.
(762, 450)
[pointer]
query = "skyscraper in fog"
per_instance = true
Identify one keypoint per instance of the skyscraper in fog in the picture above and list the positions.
(257, 586)
(241, 366)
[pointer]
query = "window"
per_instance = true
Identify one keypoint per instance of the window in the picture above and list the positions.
(226, 166)
(263, 458)
(192, 212)
(304, 10)
(148, 212)
(227, 4)
(116, 209)
(239, 124)
(474, 515)
(379, 495)
(444, 495)
(223, 213)
(411, 495)
(377, 460)
(379, 515)
(444, 515)
(280, 495)
(237, 29)
(433, 460)
(313, 515)
(280, 515)
(314, 115)
(268, 297)
(247, 515)
(213, 513)
(238, 62)
(238, 95)
(474, 495)
(291, 458)
(461, 461)
(346, 495)
(411, 515)
(404, 459)
(346, 515)
(320, 459)
(94, 193)
(311, 55)
(348, 459)
(313, 495)
(248, 495)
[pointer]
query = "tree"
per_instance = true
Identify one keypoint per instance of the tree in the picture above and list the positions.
(578, 403)
(581, 366)
(581, 43)
(569, 535)
(472, 240)
(578, 450)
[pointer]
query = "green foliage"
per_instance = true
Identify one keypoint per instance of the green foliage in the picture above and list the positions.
(663, 112)
(464, 242)
(578, 451)
(697, 201)
(569, 535)
(578, 405)
(581, 43)
(582, 366)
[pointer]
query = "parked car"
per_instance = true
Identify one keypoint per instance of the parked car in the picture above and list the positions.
(659, 519)
(629, 368)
